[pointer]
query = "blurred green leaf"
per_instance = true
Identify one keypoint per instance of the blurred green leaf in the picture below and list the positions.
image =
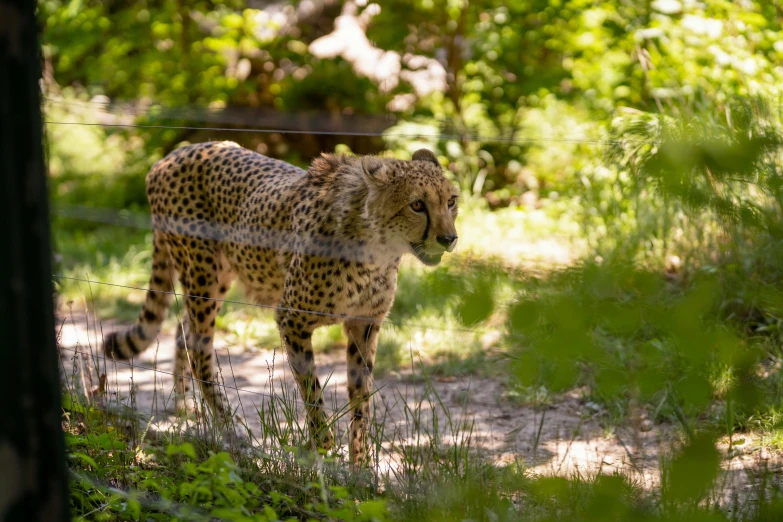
(693, 471)
(476, 305)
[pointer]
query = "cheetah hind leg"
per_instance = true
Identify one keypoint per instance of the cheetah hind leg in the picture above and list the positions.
(207, 282)
(184, 398)
(196, 362)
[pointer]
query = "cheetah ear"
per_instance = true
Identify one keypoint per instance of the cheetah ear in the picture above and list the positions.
(375, 170)
(425, 155)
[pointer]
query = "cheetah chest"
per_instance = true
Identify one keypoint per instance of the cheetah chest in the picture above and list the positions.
(367, 292)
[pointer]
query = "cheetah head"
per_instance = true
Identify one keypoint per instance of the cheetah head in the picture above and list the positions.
(412, 204)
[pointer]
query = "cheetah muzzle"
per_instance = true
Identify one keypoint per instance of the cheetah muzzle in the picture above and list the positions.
(320, 246)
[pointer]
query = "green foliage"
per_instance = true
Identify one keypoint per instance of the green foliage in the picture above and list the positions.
(182, 479)
(91, 163)
(692, 472)
(113, 480)
(152, 49)
(470, 293)
(622, 329)
(575, 63)
(724, 164)
(625, 333)
(648, 131)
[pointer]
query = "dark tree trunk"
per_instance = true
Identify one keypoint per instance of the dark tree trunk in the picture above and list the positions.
(32, 465)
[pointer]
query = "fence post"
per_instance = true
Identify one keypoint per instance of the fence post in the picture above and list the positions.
(33, 485)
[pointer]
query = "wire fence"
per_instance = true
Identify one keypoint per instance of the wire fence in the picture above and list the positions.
(220, 382)
(342, 317)
(339, 411)
(123, 218)
(135, 365)
(435, 137)
(447, 132)
(135, 220)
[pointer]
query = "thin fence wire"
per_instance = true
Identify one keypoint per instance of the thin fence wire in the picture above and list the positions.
(142, 221)
(203, 113)
(281, 308)
(208, 230)
(130, 364)
(291, 398)
(336, 415)
(130, 108)
(369, 134)
(133, 365)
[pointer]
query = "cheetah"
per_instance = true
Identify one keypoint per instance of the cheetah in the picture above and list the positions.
(321, 246)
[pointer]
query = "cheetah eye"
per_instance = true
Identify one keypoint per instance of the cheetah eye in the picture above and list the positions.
(452, 201)
(417, 206)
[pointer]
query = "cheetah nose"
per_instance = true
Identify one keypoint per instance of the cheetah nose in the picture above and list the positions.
(449, 242)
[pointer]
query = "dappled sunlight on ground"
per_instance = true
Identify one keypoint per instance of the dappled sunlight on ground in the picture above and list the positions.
(520, 237)
(410, 409)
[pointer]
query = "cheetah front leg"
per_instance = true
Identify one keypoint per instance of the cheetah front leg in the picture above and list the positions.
(362, 344)
(296, 333)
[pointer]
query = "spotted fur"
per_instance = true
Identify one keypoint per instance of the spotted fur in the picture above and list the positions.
(322, 246)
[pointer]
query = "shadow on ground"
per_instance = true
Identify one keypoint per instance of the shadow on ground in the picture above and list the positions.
(565, 438)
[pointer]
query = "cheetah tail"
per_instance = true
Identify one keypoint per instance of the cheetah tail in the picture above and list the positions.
(127, 343)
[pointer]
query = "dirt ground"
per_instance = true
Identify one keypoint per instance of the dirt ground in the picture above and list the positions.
(568, 441)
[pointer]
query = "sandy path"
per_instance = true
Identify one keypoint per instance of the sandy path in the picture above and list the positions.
(570, 439)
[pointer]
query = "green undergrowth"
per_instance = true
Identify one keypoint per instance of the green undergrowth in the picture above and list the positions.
(121, 469)
(115, 476)
(697, 348)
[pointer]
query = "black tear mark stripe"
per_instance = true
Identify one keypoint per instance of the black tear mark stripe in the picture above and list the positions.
(427, 229)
